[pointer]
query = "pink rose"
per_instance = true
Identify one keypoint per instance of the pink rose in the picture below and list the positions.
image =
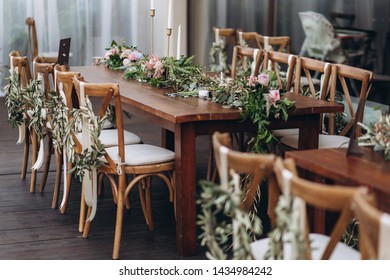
(252, 81)
(274, 96)
(126, 62)
(263, 79)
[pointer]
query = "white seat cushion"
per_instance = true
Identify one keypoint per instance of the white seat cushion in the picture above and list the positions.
(109, 137)
(279, 133)
(142, 154)
(318, 243)
(324, 141)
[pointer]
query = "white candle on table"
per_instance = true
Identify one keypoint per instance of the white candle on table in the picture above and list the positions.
(170, 14)
(178, 42)
(152, 4)
(217, 35)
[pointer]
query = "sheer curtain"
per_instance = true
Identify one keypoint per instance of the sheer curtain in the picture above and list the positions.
(92, 25)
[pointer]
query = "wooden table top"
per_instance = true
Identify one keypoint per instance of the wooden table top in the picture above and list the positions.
(370, 169)
(178, 109)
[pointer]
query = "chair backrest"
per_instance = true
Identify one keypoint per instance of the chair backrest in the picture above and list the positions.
(103, 94)
(45, 72)
(306, 72)
(246, 55)
(32, 37)
(274, 43)
(374, 227)
(283, 64)
(22, 66)
(64, 83)
(228, 35)
(337, 199)
(247, 39)
(350, 81)
(257, 167)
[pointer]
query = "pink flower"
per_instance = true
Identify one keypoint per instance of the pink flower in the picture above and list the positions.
(252, 81)
(126, 62)
(263, 79)
(274, 96)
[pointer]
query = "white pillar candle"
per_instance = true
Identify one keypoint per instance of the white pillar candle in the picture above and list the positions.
(178, 42)
(170, 14)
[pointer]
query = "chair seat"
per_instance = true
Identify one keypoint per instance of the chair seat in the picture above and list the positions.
(142, 154)
(279, 133)
(109, 137)
(324, 141)
(318, 243)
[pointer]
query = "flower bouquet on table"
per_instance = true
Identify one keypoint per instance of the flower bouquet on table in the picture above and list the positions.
(180, 74)
(377, 135)
(261, 100)
(120, 56)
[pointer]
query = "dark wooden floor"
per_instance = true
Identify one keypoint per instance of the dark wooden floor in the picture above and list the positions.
(30, 229)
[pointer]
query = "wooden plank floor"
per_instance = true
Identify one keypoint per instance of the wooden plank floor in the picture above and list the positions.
(30, 229)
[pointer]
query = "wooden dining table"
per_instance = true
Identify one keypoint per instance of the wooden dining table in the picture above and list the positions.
(368, 169)
(183, 119)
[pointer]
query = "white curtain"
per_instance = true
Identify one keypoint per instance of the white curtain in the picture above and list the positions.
(91, 24)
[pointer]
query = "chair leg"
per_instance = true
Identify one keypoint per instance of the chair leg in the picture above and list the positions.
(47, 164)
(145, 198)
(56, 191)
(34, 144)
(26, 151)
(83, 207)
(87, 225)
(119, 221)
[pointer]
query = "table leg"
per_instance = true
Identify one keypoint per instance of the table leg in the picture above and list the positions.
(308, 132)
(185, 147)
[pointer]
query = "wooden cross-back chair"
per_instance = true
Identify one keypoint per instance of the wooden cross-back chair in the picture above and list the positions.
(33, 43)
(142, 161)
(21, 65)
(305, 82)
(247, 39)
(108, 136)
(228, 36)
(283, 64)
(247, 55)
(349, 81)
(257, 167)
(274, 43)
(304, 193)
(374, 226)
(63, 79)
(44, 71)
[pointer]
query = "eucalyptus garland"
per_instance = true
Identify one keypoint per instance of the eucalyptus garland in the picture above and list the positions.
(35, 103)
(14, 100)
(218, 48)
(287, 230)
(220, 210)
(59, 119)
(89, 157)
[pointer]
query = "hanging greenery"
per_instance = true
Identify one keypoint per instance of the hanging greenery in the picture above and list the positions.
(220, 209)
(58, 112)
(34, 98)
(91, 156)
(14, 100)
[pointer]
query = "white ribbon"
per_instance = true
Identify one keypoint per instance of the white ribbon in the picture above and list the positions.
(384, 241)
(89, 180)
(119, 165)
(22, 133)
(41, 154)
(65, 172)
(253, 66)
(223, 151)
